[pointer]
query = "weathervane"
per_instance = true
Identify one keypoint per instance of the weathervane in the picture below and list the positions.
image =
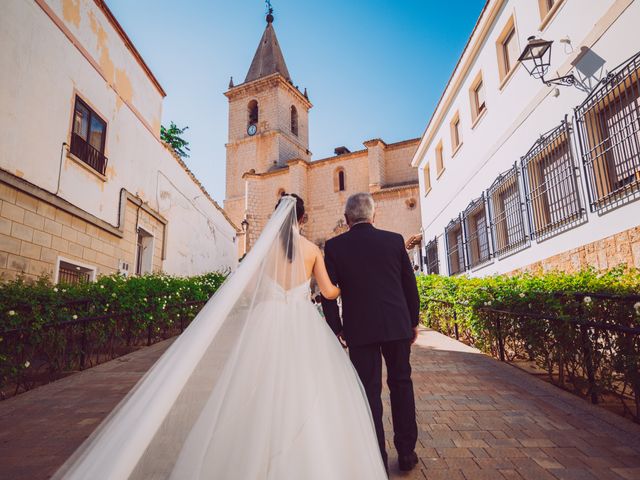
(269, 11)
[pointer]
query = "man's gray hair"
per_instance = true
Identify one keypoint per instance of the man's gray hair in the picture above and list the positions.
(360, 208)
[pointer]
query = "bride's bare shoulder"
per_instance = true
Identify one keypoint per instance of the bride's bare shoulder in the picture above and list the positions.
(309, 247)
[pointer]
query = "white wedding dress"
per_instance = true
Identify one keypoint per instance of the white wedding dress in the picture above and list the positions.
(257, 387)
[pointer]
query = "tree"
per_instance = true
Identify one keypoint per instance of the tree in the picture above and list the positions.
(172, 136)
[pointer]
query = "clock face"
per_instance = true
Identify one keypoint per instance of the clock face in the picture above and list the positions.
(252, 130)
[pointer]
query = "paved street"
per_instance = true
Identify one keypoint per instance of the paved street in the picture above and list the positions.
(479, 419)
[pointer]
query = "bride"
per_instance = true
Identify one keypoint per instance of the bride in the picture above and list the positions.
(257, 387)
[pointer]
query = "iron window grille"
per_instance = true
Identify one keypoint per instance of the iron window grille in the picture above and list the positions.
(88, 137)
(506, 213)
(455, 247)
(73, 274)
(476, 232)
(550, 184)
(431, 257)
(608, 125)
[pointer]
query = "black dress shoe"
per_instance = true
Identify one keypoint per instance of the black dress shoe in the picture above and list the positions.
(408, 461)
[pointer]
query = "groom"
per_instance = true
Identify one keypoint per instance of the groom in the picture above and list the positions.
(380, 308)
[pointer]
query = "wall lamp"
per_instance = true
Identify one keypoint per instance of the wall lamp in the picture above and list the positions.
(536, 58)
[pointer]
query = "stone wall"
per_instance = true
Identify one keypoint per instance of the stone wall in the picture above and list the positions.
(34, 234)
(623, 248)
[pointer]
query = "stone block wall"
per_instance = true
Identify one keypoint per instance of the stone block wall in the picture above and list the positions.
(34, 234)
(623, 248)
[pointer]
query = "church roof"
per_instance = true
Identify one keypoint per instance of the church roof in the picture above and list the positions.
(268, 58)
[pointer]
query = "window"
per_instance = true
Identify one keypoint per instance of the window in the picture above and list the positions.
(294, 120)
(427, 178)
(71, 272)
(455, 247)
(508, 49)
(88, 137)
(144, 252)
(478, 103)
(507, 219)
(609, 133)
(456, 139)
(253, 113)
(431, 257)
(545, 7)
(550, 183)
(476, 233)
(439, 160)
(339, 180)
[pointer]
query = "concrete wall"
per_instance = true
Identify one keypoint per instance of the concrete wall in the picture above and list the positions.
(601, 35)
(55, 50)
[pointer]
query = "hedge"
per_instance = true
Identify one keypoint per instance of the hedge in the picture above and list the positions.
(49, 330)
(539, 317)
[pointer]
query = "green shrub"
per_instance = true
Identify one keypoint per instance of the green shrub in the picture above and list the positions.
(537, 316)
(43, 331)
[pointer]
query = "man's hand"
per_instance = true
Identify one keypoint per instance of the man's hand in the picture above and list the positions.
(415, 335)
(340, 336)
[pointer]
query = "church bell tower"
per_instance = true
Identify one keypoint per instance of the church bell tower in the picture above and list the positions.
(268, 121)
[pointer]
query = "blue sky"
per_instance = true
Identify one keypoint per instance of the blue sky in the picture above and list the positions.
(372, 68)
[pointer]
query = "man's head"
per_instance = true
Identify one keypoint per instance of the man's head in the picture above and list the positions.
(360, 208)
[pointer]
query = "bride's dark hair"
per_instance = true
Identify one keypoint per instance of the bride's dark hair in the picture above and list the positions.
(286, 234)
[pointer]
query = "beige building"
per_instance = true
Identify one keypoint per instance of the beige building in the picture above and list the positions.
(268, 153)
(87, 187)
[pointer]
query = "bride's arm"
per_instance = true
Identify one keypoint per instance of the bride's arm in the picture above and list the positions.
(328, 289)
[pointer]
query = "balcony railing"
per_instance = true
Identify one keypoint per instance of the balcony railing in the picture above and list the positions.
(88, 154)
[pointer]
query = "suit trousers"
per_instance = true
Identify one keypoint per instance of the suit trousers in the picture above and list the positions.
(367, 360)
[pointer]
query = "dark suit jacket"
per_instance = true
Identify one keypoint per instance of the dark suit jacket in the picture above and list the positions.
(379, 293)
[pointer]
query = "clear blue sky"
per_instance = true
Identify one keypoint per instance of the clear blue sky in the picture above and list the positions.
(372, 68)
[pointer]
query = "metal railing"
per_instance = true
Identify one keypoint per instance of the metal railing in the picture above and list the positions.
(431, 259)
(580, 349)
(476, 232)
(551, 187)
(609, 136)
(34, 355)
(506, 214)
(88, 154)
(454, 241)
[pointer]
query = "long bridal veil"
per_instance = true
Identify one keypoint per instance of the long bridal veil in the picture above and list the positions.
(147, 435)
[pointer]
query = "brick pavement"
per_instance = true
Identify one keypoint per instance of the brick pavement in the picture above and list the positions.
(478, 419)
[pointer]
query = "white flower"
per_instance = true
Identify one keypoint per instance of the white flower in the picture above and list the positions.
(587, 300)
(637, 307)
(11, 313)
(55, 289)
(489, 303)
(144, 299)
(64, 290)
(75, 317)
(26, 364)
(113, 295)
(521, 295)
(101, 286)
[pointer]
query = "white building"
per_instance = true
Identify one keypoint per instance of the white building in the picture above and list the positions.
(515, 174)
(86, 185)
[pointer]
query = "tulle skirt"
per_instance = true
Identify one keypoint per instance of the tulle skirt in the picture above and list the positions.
(288, 406)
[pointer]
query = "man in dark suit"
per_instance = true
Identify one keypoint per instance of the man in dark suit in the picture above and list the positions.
(380, 315)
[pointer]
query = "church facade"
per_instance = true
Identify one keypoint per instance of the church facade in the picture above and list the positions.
(268, 153)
